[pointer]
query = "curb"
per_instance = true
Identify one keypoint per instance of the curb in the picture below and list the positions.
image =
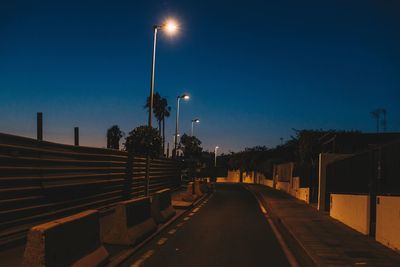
(125, 254)
(299, 251)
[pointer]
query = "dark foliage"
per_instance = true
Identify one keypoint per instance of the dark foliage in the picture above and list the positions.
(143, 140)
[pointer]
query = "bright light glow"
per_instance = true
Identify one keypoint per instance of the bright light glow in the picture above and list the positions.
(216, 147)
(186, 97)
(197, 120)
(171, 26)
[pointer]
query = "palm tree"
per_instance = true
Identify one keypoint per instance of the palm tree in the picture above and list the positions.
(156, 108)
(114, 134)
(165, 112)
(161, 111)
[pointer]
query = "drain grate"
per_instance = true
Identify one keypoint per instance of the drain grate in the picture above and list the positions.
(359, 254)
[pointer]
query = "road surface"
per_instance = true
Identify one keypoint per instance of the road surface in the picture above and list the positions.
(228, 229)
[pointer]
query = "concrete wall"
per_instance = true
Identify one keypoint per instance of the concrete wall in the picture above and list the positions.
(233, 177)
(324, 160)
(248, 178)
(388, 221)
(303, 194)
(284, 186)
(283, 172)
(352, 210)
(268, 182)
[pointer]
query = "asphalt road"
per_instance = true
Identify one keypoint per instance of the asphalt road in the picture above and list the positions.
(228, 229)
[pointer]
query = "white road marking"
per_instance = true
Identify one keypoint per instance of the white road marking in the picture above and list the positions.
(162, 241)
(191, 214)
(186, 218)
(290, 257)
(196, 209)
(142, 259)
(171, 232)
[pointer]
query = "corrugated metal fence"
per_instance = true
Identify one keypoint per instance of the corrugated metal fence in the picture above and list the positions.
(40, 181)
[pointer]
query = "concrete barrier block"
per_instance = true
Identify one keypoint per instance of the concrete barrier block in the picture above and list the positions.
(204, 187)
(189, 195)
(70, 241)
(131, 222)
(161, 206)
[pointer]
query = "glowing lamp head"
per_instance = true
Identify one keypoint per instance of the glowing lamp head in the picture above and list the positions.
(216, 147)
(197, 120)
(185, 97)
(171, 26)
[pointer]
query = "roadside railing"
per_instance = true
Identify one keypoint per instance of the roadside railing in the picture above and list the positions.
(41, 181)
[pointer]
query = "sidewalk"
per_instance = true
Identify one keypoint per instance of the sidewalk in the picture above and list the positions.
(317, 239)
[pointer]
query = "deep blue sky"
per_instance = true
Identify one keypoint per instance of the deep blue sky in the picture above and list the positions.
(254, 69)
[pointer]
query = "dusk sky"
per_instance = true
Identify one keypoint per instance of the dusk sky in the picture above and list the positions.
(254, 69)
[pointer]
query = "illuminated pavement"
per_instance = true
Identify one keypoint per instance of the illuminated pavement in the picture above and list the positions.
(228, 229)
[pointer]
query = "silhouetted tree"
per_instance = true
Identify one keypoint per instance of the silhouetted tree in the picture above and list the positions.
(165, 112)
(156, 108)
(190, 146)
(114, 135)
(161, 111)
(143, 140)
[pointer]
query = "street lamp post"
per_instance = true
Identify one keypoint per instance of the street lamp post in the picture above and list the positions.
(178, 99)
(194, 121)
(170, 27)
(215, 156)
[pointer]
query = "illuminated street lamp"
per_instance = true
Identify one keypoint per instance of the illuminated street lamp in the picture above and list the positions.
(194, 121)
(215, 156)
(178, 99)
(170, 27)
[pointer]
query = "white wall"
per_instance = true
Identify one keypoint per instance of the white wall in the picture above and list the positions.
(233, 177)
(248, 177)
(352, 210)
(268, 182)
(284, 186)
(388, 221)
(303, 194)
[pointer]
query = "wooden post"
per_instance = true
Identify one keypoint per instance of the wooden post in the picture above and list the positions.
(76, 136)
(40, 126)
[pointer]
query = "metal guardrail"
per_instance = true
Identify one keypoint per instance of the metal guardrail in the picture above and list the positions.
(42, 181)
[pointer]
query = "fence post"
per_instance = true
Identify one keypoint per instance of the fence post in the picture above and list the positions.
(76, 136)
(128, 176)
(40, 126)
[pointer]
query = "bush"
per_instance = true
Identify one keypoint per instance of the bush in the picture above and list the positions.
(143, 140)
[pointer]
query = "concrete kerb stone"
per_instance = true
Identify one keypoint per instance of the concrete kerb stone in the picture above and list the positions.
(300, 252)
(130, 224)
(70, 241)
(161, 207)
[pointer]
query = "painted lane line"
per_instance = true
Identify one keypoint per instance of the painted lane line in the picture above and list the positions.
(191, 214)
(162, 241)
(196, 209)
(142, 259)
(290, 257)
(179, 224)
(186, 218)
(171, 232)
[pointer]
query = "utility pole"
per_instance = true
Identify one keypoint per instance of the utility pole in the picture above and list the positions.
(384, 124)
(76, 136)
(39, 126)
(376, 114)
